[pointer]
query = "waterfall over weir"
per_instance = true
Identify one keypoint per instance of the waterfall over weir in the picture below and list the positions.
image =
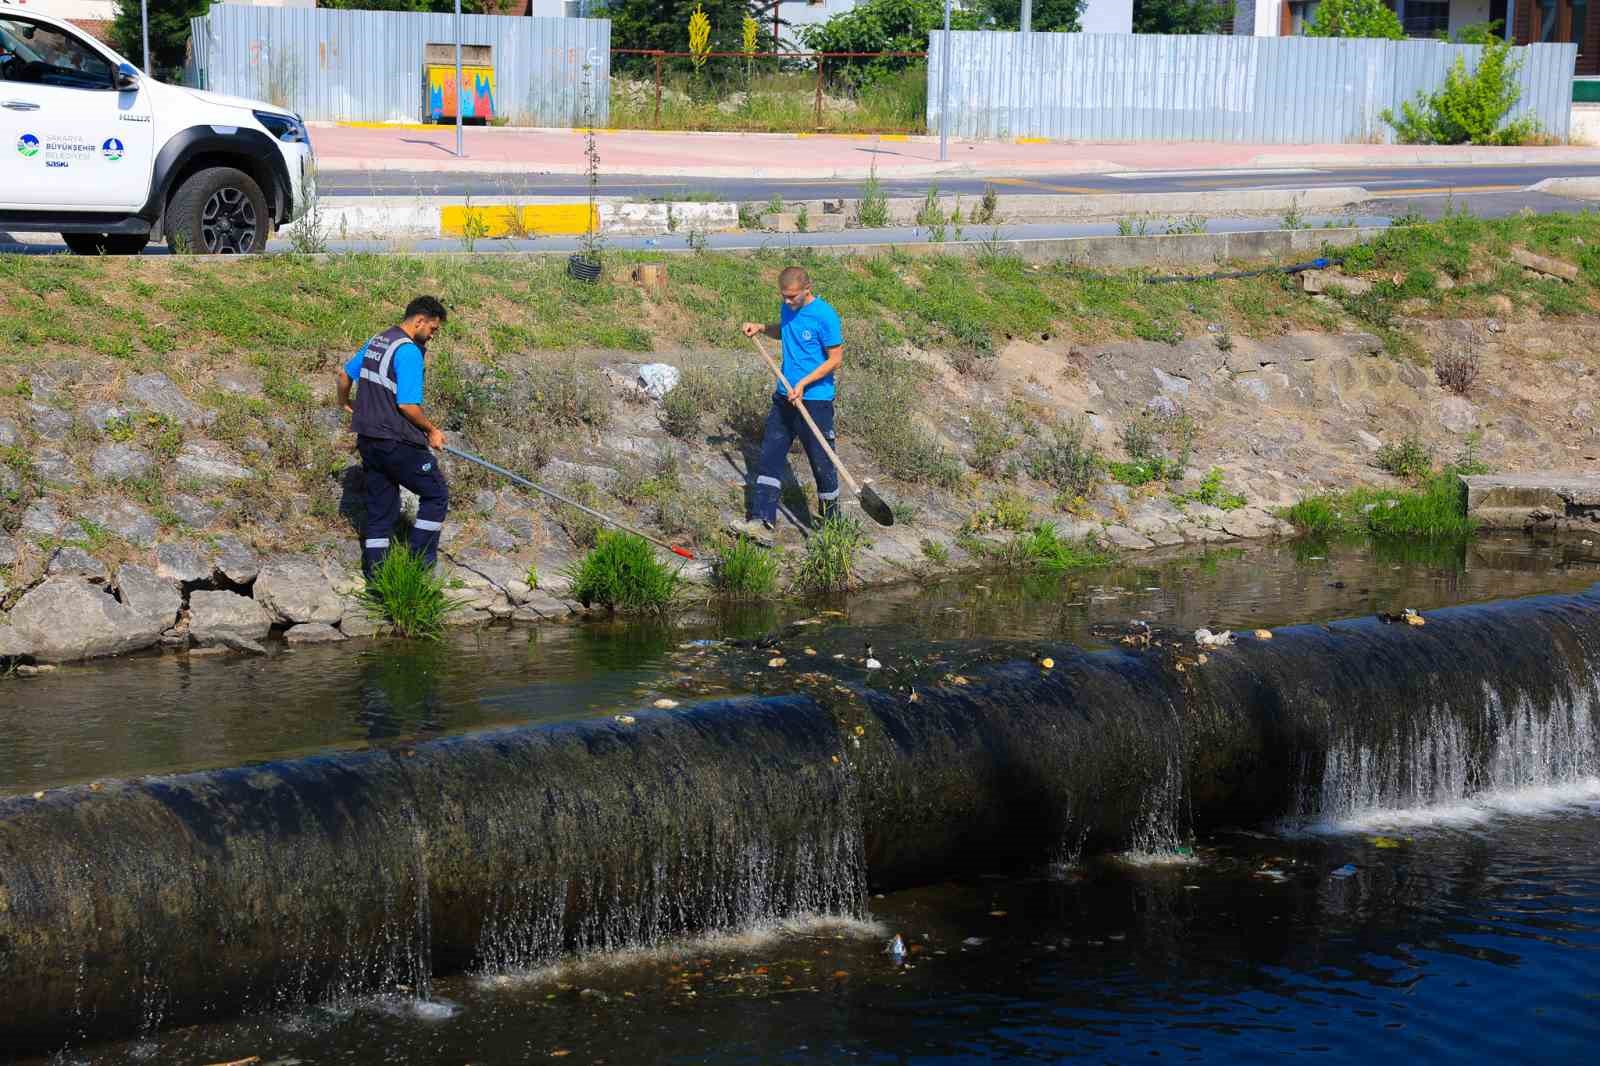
(162, 899)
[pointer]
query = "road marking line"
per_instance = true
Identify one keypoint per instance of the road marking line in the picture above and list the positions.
(1135, 175)
(1025, 183)
(1445, 190)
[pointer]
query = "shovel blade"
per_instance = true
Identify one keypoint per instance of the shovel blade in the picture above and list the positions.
(876, 509)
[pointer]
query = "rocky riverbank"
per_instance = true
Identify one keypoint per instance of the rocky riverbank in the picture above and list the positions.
(175, 474)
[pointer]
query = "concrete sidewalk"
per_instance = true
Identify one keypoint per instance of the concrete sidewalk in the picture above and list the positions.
(431, 149)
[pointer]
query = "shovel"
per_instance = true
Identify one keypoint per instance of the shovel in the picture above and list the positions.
(590, 511)
(870, 501)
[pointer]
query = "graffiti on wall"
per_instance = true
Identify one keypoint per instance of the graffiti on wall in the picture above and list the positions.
(478, 86)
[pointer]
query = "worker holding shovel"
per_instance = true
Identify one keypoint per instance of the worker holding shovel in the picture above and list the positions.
(813, 348)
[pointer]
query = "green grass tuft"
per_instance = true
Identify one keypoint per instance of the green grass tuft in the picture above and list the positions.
(623, 573)
(1043, 548)
(830, 557)
(407, 595)
(744, 570)
(1434, 510)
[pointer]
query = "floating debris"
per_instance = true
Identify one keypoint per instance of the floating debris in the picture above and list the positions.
(1272, 875)
(776, 662)
(1386, 842)
(1412, 618)
(861, 730)
(896, 949)
(1347, 870)
(1047, 663)
(974, 941)
(701, 644)
(38, 795)
(1207, 639)
(811, 651)
(1263, 634)
(664, 704)
(625, 719)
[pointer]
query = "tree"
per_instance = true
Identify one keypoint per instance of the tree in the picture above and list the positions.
(1181, 16)
(882, 26)
(169, 32)
(664, 24)
(1049, 16)
(1355, 18)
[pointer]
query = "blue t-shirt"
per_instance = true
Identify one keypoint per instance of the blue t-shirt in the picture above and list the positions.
(407, 371)
(807, 335)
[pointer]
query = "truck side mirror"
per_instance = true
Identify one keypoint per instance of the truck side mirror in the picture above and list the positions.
(126, 78)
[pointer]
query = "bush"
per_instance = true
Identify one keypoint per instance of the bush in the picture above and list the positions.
(1068, 460)
(992, 440)
(880, 411)
(407, 595)
(1159, 445)
(687, 402)
(1043, 548)
(744, 570)
(830, 557)
(1469, 108)
(1211, 493)
(1355, 18)
(1407, 458)
(1457, 368)
(1433, 510)
(1008, 510)
(622, 572)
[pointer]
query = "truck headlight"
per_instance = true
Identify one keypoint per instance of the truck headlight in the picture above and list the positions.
(284, 127)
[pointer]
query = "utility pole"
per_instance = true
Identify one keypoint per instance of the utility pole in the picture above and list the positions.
(144, 28)
(460, 153)
(1027, 17)
(944, 90)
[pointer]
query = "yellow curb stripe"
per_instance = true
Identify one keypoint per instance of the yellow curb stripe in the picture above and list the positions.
(541, 220)
(1034, 140)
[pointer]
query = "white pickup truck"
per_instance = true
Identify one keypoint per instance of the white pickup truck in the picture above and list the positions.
(111, 159)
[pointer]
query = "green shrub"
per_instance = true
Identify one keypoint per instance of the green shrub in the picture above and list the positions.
(1433, 510)
(1008, 510)
(880, 412)
(622, 572)
(1212, 494)
(992, 440)
(744, 570)
(1355, 18)
(1068, 460)
(830, 557)
(407, 595)
(686, 404)
(935, 552)
(1407, 458)
(1468, 108)
(1043, 548)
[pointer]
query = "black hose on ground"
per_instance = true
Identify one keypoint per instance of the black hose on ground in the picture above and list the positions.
(1294, 268)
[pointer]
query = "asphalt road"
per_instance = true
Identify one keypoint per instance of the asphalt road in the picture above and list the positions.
(1385, 183)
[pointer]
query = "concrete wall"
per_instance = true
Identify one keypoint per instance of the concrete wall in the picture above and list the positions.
(1467, 13)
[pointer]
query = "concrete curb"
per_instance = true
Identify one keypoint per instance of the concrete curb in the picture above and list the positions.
(422, 217)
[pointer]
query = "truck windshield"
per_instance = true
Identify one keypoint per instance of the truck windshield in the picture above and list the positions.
(43, 55)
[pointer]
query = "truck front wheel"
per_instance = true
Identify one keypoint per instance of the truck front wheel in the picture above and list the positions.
(218, 211)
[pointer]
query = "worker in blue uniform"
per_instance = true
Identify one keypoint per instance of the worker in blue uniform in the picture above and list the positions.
(393, 434)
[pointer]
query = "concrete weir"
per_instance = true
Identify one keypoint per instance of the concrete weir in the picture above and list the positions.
(164, 899)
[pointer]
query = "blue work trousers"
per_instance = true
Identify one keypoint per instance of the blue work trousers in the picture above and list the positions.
(784, 424)
(390, 464)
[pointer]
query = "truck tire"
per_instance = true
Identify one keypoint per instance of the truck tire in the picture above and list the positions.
(218, 211)
(105, 243)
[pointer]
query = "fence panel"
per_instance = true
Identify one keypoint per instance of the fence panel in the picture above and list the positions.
(1251, 90)
(367, 66)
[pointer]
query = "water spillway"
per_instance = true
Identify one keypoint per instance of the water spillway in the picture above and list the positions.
(137, 903)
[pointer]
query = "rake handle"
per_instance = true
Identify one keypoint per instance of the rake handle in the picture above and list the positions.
(832, 455)
(590, 511)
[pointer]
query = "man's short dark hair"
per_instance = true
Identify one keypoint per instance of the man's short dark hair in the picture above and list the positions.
(426, 306)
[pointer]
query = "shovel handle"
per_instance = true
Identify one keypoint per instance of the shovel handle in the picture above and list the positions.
(778, 372)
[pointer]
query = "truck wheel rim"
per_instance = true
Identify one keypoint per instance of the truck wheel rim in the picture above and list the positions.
(228, 223)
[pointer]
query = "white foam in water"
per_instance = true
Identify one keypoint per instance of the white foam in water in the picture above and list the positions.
(753, 937)
(1478, 810)
(1538, 762)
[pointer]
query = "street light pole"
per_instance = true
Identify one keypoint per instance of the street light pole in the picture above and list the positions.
(144, 28)
(460, 153)
(1027, 17)
(944, 90)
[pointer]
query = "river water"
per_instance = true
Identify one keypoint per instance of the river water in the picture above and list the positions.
(1465, 932)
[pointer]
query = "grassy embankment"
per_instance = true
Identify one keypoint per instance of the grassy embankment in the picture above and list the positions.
(515, 372)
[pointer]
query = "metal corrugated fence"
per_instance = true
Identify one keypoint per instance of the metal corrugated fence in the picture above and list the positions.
(366, 66)
(1256, 90)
